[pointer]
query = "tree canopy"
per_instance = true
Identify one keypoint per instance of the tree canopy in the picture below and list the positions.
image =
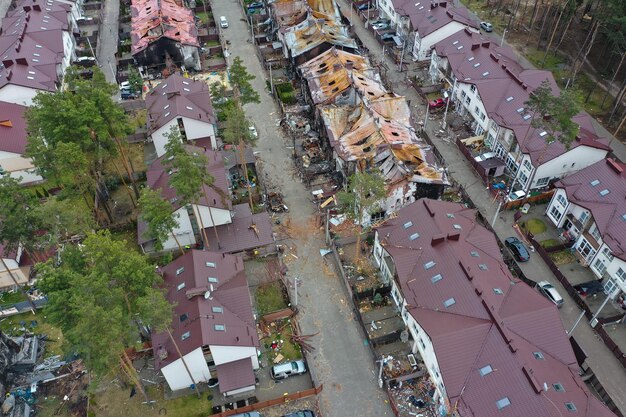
(240, 80)
(19, 222)
(98, 294)
(157, 213)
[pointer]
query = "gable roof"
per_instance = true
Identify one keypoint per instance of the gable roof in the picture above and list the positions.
(457, 287)
(152, 20)
(428, 16)
(609, 210)
(157, 177)
(178, 96)
(31, 44)
(504, 86)
(13, 136)
(187, 280)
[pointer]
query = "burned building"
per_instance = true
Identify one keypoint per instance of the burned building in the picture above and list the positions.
(164, 34)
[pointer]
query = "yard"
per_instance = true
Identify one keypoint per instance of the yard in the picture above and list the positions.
(534, 226)
(562, 257)
(278, 344)
(37, 324)
(270, 297)
(549, 243)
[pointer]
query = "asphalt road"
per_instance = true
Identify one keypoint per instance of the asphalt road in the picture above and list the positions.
(606, 367)
(341, 361)
(107, 40)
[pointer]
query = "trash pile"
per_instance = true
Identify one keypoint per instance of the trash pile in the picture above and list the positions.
(413, 397)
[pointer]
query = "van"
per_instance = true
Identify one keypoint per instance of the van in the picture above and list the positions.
(287, 369)
(223, 22)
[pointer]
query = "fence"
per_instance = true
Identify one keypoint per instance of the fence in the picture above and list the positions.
(285, 313)
(269, 403)
(537, 199)
(468, 155)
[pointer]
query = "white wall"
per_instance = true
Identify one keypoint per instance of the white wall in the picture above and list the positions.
(423, 45)
(191, 57)
(159, 137)
(563, 209)
(195, 129)
(176, 375)
(240, 390)
(17, 94)
(571, 161)
(184, 231)
(220, 216)
(225, 354)
(470, 109)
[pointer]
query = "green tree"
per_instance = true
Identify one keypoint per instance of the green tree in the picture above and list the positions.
(98, 294)
(240, 78)
(362, 197)
(189, 177)
(62, 220)
(135, 80)
(157, 213)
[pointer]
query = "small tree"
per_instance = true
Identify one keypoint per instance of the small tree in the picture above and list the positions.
(240, 80)
(362, 197)
(135, 80)
(157, 213)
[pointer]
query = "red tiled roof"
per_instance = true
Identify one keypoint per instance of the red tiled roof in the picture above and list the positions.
(158, 178)
(239, 235)
(504, 86)
(178, 96)
(13, 136)
(31, 44)
(235, 375)
(230, 293)
(491, 318)
(607, 210)
(427, 16)
(152, 20)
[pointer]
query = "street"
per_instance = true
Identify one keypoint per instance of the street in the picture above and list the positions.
(107, 40)
(341, 361)
(606, 367)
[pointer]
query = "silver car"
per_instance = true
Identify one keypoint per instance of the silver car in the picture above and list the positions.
(550, 293)
(250, 414)
(287, 369)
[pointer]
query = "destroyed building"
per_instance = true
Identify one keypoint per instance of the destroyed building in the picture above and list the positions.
(163, 32)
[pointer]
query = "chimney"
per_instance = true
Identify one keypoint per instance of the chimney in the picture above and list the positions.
(486, 44)
(7, 63)
(21, 61)
(349, 65)
(26, 8)
(448, 12)
(475, 46)
(478, 290)
(614, 165)
(531, 378)
(493, 56)
(467, 271)
(454, 235)
(437, 239)
(337, 66)
(428, 208)
(468, 31)
(37, 7)
(443, 3)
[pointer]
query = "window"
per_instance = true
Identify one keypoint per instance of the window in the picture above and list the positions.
(210, 264)
(183, 317)
(558, 387)
(594, 183)
(476, 110)
(607, 252)
(185, 336)
(482, 116)
(429, 264)
(570, 407)
(527, 165)
(561, 199)
(498, 291)
(555, 213)
(180, 270)
(423, 345)
(219, 327)
(473, 88)
(596, 234)
(599, 266)
(449, 302)
(407, 224)
(483, 267)
(217, 309)
(485, 370)
(414, 236)
(583, 217)
(620, 274)
(213, 280)
(503, 402)
(479, 130)
(474, 254)
(538, 355)
(436, 278)
(463, 94)
(604, 192)
(586, 250)
(542, 182)
(468, 100)
(180, 286)
(523, 178)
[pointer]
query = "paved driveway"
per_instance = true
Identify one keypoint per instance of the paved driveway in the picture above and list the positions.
(341, 361)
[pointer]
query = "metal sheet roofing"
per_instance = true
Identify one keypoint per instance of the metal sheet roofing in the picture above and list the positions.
(31, 44)
(315, 31)
(607, 210)
(235, 375)
(13, 135)
(504, 87)
(496, 322)
(429, 16)
(155, 19)
(177, 96)
(200, 305)
(289, 12)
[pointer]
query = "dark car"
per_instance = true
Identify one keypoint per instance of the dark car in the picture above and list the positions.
(486, 26)
(437, 103)
(301, 413)
(589, 288)
(517, 248)
(127, 94)
(387, 37)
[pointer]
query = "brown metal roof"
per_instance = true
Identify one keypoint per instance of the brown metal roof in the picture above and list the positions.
(428, 16)
(451, 273)
(153, 19)
(13, 136)
(228, 303)
(235, 375)
(247, 231)
(177, 96)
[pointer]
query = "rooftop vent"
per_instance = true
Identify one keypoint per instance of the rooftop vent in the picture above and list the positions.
(437, 239)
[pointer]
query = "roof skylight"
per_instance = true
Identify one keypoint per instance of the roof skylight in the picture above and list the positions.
(429, 264)
(485, 370)
(436, 278)
(407, 224)
(604, 192)
(503, 402)
(509, 98)
(414, 236)
(594, 183)
(449, 302)
(498, 291)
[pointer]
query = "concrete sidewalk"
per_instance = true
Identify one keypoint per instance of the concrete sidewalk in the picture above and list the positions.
(606, 367)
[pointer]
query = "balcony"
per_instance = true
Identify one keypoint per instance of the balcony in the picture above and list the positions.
(581, 226)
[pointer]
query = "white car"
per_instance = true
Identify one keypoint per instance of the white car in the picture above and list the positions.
(223, 22)
(550, 293)
(253, 132)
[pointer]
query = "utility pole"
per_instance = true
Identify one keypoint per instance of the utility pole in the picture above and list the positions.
(503, 35)
(426, 119)
(495, 217)
(369, 6)
(271, 80)
(402, 54)
(445, 114)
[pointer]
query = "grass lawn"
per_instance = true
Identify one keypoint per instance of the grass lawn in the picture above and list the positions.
(552, 62)
(534, 226)
(288, 349)
(548, 243)
(562, 257)
(269, 298)
(8, 298)
(11, 326)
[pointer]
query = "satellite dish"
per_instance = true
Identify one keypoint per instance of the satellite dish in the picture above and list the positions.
(207, 295)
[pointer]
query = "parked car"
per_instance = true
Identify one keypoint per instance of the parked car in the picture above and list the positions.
(301, 413)
(255, 5)
(387, 36)
(486, 26)
(253, 131)
(380, 26)
(287, 369)
(128, 95)
(85, 61)
(550, 293)
(589, 288)
(437, 103)
(517, 248)
(250, 414)
(364, 6)
(223, 22)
